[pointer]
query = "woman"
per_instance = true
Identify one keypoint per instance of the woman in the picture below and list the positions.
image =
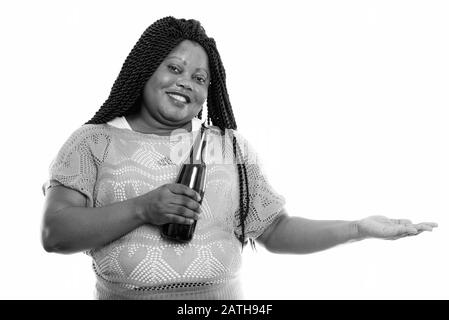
(111, 185)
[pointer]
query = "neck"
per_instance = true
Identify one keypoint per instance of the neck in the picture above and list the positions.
(142, 124)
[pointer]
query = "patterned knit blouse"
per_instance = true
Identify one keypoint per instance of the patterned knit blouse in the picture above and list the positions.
(109, 164)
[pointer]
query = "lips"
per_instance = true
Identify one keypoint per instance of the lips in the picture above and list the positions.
(178, 96)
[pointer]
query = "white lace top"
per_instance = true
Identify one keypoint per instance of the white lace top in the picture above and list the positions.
(109, 164)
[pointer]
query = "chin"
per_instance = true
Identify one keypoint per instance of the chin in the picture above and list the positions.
(176, 119)
(177, 115)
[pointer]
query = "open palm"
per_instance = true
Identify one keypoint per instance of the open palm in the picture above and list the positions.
(385, 228)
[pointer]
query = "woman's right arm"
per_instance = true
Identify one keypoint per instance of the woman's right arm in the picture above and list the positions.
(69, 226)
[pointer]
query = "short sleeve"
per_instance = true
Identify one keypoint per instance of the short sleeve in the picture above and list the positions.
(75, 165)
(265, 204)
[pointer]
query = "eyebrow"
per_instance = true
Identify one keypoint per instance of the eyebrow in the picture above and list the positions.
(185, 63)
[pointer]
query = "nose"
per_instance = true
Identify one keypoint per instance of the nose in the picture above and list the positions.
(183, 83)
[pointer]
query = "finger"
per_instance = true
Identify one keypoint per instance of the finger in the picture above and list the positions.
(404, 235)
(408, 233)
(174, 218)
(186, 202)
(404, 230)
(432, 224)
(183, 211)
(402, 221)
(423, 227)
(184, 190)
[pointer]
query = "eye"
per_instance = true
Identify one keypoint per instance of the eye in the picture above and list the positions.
(174, 68)
(200, 79)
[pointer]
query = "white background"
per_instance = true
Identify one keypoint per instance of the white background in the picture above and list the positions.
(345, 101)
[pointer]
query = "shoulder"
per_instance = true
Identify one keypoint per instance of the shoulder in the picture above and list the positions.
(234, 143)
(228, 134)
(88, 137)
(89, 130)
(231, 138)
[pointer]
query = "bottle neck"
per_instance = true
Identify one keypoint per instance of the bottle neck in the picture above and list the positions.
(199, 148)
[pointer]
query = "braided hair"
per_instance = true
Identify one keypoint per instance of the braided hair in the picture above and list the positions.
(156, 42)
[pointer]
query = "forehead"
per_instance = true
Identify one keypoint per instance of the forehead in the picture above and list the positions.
(191, 53)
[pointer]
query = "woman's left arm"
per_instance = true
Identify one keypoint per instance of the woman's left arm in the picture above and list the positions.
(299, 235)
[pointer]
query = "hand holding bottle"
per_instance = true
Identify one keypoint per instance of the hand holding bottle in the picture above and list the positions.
(170, 203)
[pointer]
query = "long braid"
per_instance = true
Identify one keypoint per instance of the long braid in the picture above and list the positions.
(243, 187)
(156, 42)
(225, 117)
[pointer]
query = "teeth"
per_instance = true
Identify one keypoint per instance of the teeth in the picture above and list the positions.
(177, 97)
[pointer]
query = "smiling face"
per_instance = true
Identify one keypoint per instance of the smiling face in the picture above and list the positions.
(176, 91)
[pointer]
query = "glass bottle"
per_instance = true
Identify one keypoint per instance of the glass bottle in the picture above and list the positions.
(193, 175)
